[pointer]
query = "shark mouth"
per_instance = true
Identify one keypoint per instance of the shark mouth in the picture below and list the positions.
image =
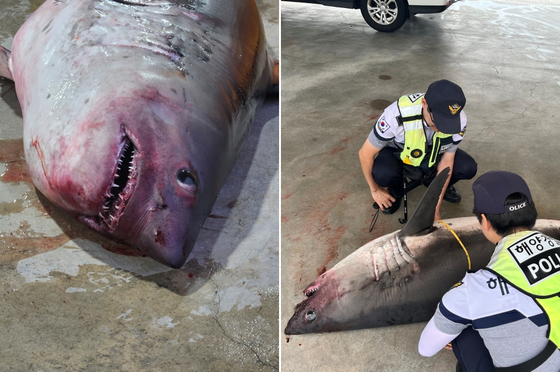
(310, 291)
(117, 195)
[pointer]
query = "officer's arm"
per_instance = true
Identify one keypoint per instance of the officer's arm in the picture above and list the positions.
(367, 157)
(447, 160)
(433, 340)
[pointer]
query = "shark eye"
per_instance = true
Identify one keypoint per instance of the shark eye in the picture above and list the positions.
(186, 179)
(310, 316)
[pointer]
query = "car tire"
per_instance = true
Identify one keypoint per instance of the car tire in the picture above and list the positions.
(384, 15)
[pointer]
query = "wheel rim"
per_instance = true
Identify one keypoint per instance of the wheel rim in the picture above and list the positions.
(383, 12)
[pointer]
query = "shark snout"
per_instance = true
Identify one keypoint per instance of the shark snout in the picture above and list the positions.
(168, 252)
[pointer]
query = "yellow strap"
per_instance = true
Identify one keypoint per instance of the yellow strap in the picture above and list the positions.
(459, 240)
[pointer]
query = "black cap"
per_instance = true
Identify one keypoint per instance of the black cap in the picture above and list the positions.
(492, 188)
(446, 101)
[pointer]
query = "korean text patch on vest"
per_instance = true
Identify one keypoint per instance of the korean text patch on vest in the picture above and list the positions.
(537, 255)
(382, 125)
(415, 97)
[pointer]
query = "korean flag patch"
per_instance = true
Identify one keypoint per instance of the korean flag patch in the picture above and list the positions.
(382, 125)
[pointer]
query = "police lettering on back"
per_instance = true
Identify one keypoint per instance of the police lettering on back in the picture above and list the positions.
(538, 256)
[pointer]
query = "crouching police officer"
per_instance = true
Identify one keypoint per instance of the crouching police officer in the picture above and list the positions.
(420, 132)
(505, 317)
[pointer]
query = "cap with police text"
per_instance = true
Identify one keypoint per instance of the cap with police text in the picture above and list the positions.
(446, 101)
(492, 188)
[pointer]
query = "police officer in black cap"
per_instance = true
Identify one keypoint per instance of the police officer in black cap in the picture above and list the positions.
(505, 317)
(419, 135)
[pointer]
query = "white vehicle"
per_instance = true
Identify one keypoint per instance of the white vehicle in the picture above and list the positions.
(387, 15)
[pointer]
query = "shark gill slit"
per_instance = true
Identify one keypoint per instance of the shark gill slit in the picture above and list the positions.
(404, 251)
(375, 272)
(395, 252)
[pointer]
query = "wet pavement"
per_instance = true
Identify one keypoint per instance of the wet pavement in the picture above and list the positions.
(338, 75)
(71, 300)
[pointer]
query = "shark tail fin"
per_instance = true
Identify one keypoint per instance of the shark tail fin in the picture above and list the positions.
(423, 216)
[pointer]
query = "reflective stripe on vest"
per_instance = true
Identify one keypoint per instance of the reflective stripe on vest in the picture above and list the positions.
(530, 261)
(415, 143)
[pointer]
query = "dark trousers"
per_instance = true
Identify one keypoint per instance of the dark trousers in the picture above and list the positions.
(388, 169)
(471, 353)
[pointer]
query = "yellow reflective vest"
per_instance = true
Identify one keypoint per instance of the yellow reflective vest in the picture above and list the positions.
(530, 261)
(415, 142)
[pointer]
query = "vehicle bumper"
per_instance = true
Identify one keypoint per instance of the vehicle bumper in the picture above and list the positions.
(418, 9)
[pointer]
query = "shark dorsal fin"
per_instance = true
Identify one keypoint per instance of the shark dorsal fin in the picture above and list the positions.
(423, 216)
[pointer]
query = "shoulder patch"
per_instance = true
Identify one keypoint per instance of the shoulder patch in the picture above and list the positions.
(462, 133)
(415, 97)
(382, 125)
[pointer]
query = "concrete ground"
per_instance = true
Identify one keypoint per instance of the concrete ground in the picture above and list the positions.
(338, 75)
(73, 301)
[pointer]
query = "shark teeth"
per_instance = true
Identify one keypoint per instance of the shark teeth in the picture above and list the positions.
(310, 291)
(121, 187)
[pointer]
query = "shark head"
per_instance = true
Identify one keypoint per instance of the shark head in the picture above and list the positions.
(141, 170)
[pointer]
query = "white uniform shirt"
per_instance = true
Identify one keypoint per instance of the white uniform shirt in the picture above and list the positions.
(387, 131)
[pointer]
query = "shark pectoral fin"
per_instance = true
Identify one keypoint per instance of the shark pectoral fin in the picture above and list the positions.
(5, 70)
(423, 216)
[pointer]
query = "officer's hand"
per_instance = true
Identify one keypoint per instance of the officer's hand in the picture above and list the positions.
(382, 198)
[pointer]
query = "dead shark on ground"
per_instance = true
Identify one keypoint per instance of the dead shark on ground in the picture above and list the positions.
(400, 277)
(135, 111)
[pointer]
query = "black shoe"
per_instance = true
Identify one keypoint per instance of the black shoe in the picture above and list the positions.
(452, 195)
(394, 207)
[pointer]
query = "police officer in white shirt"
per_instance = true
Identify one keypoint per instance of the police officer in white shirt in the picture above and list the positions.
(420, 133)
(505, 317)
